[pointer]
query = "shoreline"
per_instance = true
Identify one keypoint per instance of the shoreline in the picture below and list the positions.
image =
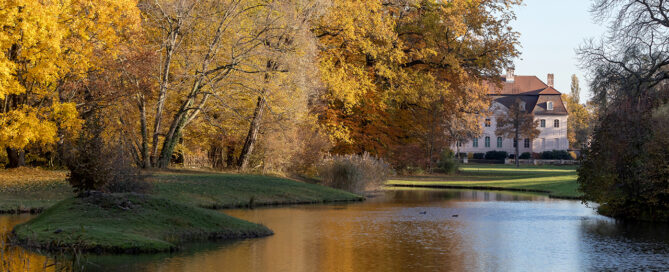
(483, 188)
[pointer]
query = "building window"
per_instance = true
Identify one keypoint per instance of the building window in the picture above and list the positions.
(543, 123)
(543, 143)
(459, 144)
(557, 143)
(549, 105)
(487, 122)
(475, 143)
(556, 123)
(487, 141)
(522, 106)
(527, 143)
(499, 141)
(515, 142)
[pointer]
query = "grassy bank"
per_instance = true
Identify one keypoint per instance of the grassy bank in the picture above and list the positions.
(216, 190)
(129, 223)
(28, 189)
(31, 190)
(556, 181)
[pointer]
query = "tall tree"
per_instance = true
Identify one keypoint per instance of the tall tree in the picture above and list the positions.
(517, 123)
(575, 89)
(388, 66)
(621, 169)
(203, 44)
(286, 42)
(45, 45)
(579, 124)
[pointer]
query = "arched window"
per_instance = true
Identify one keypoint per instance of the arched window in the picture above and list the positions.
(487, 141)
(556, 123)
(499, 141)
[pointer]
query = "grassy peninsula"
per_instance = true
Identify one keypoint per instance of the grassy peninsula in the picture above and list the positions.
(129, 223)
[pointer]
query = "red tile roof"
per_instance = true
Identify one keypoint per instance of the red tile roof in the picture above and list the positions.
(530, 89)
(527, 85)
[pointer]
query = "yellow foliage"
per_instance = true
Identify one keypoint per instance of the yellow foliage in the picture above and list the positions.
(22, 126)
(399, 72)
(44, 44)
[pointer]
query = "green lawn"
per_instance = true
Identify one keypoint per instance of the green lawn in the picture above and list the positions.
(557, 181)
(29, 189)
(129, 223)
(216, 190)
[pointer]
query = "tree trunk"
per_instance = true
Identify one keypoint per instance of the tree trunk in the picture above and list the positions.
(171, 140)
(230, 154)
(17, 157)
(517, 147)
(252, 136)
(162, 93)
(146, 157)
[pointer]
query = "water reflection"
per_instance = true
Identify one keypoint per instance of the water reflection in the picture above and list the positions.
(14, 258)
(424, 230)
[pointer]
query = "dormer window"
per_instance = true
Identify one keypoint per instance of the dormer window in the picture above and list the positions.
(522, 106)
(549, 105)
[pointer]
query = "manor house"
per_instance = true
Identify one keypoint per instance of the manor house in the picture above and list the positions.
(537, 97)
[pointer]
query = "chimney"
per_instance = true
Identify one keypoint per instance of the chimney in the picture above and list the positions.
(551, 80)
(510, 74)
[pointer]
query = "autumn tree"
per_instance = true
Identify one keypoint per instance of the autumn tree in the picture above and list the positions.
(517, 123)
(579, 124)
(389, 66)
(575, 89)
(202, 44)
(288, 54)
(45, 45)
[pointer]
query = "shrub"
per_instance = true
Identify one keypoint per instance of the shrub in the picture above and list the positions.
(447, 163)
(556, 155)
(496, 155)
(128, 184)
(354, 173)
(94, 164)
(479, 156)
(525, 156)
(411, 171)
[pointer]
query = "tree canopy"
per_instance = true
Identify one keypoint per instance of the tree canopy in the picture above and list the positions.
(261, 84)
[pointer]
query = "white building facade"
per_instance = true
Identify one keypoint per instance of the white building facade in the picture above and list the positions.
(536, 97)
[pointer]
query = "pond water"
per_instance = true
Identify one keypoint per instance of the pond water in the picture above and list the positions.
(420, 230)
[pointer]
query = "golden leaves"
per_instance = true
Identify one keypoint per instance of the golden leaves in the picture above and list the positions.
(45, 43)
(24, 126)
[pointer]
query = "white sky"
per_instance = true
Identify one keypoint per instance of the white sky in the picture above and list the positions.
(550, 33)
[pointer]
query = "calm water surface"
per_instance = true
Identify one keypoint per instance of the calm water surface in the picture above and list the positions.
(422, 230)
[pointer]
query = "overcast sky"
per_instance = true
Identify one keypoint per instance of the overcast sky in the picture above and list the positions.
(550, 33)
